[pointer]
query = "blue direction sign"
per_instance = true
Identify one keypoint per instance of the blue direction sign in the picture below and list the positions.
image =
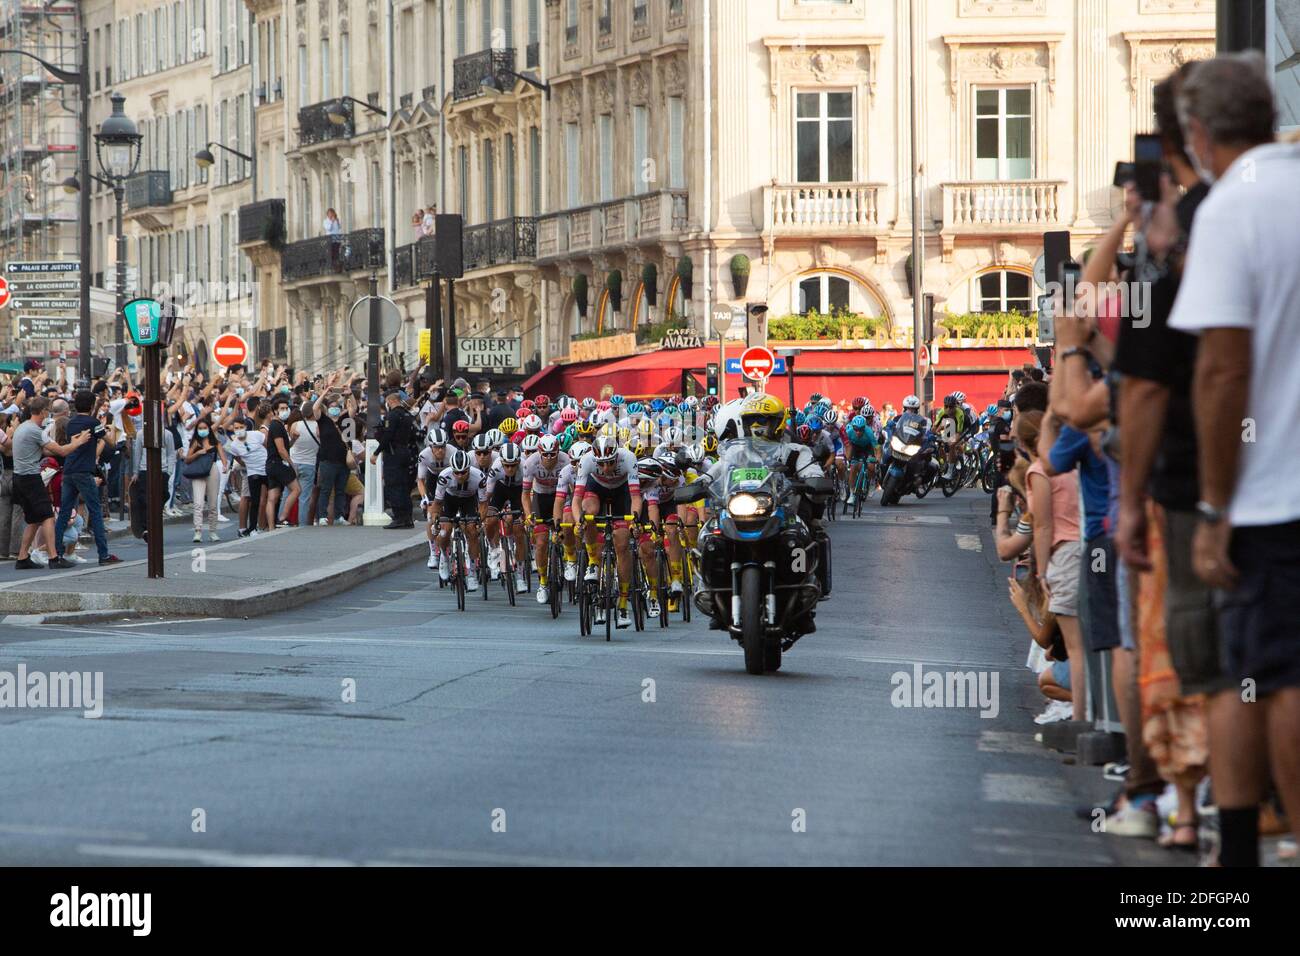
(733, 366)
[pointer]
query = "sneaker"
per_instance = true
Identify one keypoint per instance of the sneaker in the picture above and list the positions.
(494, 561)
(592, 574)
(1056, 710)
(598, 615)
(198, 536)
(624, 618)
(26, 564)
(1136, 817)
(1116, 771)
(471, 580)
(851, 500)
(322, 522)
(39, 557)
(60, 564)
(444, 569)
(111, 559)
(675, 588)
(570, 570)
(652, 607)
(245, 532)
(77, 559)
(254, 533)
(213, 536)
(543, 594)
(222, 519)
(432, 563)
(521, 586)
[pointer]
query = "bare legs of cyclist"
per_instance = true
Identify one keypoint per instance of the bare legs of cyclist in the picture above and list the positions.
(673, 544)
(646, 547)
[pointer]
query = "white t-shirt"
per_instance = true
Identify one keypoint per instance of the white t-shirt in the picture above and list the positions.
(1243, 272)
(306, 442)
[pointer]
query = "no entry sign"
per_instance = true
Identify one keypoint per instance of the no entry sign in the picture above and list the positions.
(757, 363)
(229, 349)
(4, 293)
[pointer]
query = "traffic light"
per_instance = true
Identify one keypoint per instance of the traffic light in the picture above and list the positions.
(711, 378)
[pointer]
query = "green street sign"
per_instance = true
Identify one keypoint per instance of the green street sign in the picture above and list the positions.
(143, 321)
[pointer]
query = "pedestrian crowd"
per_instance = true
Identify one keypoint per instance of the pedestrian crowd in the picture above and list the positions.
(1150, 503)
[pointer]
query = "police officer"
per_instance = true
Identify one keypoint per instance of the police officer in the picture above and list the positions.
(396, 440)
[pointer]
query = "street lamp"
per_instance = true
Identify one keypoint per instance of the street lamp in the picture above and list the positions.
(490, 85)
(117, 148)
(82, 79)
(339, 116)
(206, 160)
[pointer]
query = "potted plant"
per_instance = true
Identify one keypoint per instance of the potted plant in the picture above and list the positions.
(740, 274)
(685, 276)
(614, 283)
(907, 271)
(650, 280)
(580, 293)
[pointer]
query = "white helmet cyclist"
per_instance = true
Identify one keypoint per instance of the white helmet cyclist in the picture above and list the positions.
(482, 443)
(511, 455)
(460, 462)
(911, 404)
(530, 443)
(548, 444)
(578, 449)
(605, 449)
(436, 438)
(495, 436)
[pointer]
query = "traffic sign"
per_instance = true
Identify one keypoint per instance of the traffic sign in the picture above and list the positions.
(757, 363)
(43, 286)
(48, 327)
(733, 366)
(390, 321)
(923, 357)
(229, 349)
(4, 293)
(45, 304)
(42, 268)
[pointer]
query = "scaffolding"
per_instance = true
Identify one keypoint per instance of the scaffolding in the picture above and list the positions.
(38, 141)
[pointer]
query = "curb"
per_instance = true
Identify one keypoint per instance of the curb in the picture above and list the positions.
(87, 607)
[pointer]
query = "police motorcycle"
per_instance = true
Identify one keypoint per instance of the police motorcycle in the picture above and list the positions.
(758, 561)
(913, 469)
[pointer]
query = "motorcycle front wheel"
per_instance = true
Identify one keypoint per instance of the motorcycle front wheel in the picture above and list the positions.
(752, 629)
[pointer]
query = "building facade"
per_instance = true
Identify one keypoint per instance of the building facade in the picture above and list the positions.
(611, 159)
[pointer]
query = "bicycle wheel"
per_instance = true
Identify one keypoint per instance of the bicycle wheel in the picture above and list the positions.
(508, 568)
(636, 594)
(609, 593)
(688, 582)
(458, 568)
(661, 560)
(555, 575)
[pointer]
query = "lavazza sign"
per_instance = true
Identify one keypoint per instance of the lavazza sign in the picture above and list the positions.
(488, 353)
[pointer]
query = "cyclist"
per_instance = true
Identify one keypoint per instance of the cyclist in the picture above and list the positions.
(461, 491)
(650, 472)
(461, 436)
(505, 490)
(950, 424)
(862, 444)
(432, 460)
(484, 452)
(607, 483)
(541, 474)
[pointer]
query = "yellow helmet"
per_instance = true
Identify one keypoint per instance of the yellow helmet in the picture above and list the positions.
(762, 416)
(710, 443)
(624, 433)
(608, 430)
(645, 427)
(586, 429)
(509, 426)
(638, 447)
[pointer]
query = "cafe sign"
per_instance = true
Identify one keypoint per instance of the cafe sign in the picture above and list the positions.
(488, 353)
(682, 339)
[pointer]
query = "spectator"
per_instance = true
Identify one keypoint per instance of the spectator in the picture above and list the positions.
(306, 448)
(1240, 293)
(332, 226)
(30, 446)
(417, 224)
(201, 468)
(332, 459)
(397, 444)
(428, 220)
(81, 478)
(11, 513)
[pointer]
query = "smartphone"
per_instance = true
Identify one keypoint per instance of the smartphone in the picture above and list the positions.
(1021, 570)
(1148, 161)
(1046, 320)
(1071, 277)
(1125, 173)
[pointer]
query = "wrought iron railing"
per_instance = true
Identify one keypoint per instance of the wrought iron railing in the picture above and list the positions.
(322, 255)
(261, 221)
(501, 241)
(315, 126)
(469, 72)
(150, 188)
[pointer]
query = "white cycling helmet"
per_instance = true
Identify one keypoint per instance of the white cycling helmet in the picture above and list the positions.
(548, 444)
(460, 462)
(911, 404)
(530, 443)
(578, 449)
(605, 449)
(511, 455)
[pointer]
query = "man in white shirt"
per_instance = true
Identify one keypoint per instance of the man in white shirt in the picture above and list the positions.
(1241, 294)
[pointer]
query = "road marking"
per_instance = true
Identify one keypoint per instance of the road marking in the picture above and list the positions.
(188, 620)
(500, 859)
(214, 857)
(872, 517)
(1024, 789)
(25, 829)
(969, 542)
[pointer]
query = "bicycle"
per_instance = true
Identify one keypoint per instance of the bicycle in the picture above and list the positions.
(603, 592)
(862, 487)
(509, 560)
(659, 554)
(459, 551)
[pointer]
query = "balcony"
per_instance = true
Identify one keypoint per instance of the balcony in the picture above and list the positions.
(357, 251)
(315, 126)
(813, 209)
(653, 217)
(147, 189)
(500, 242)
(997, 207)
(262, 221)
(469, 72)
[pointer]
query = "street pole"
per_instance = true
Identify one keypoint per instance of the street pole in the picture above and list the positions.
(789, 376)
(153, 420)
(85, 368)
(451, 329)
(119, 347)
(433, 321)
(372, 361)
(916, 210)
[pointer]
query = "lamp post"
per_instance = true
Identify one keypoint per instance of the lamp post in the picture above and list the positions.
(82, 79)
(205, 160)
(117, 150)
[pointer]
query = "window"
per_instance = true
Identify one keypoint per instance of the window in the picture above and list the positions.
(642, 176)
(572, 192)
(345, 66)
(1004, 292)
(376, 196)
(638, 11)
(324, 68)
(510, 175)
(303, 91)
(485, 24)
(489, 181)
(305, 222)
(824, 137)
(408, 63)
(606, 126)
(1003, 134)
(676, 143)
(533, 17)
(508, 24)
(535, 151)
(823, 294)
(570, 21)
(223, 23)
(460, 27)
(606, 19)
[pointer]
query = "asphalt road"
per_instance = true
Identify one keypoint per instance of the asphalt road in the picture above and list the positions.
(499, 736)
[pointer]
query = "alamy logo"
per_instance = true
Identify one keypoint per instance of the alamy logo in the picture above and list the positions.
(71, 690)
(949, 689)
(102, 909)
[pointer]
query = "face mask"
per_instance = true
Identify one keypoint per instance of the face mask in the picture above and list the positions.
(314, 396)
(284, 389)
(240, 433)
(203, 433)
(335, 412)
(284, 415)
(239, 391)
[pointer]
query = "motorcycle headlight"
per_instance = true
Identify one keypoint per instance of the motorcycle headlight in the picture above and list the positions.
(901, 447)
(749, 506)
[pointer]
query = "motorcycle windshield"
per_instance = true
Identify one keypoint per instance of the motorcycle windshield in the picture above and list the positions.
(911, 428)
(749, 464)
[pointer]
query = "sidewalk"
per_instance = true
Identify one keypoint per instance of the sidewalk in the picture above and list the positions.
(246, 577)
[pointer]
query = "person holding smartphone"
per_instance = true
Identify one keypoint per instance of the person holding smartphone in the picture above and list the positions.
(204, 461)
(81, 475)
